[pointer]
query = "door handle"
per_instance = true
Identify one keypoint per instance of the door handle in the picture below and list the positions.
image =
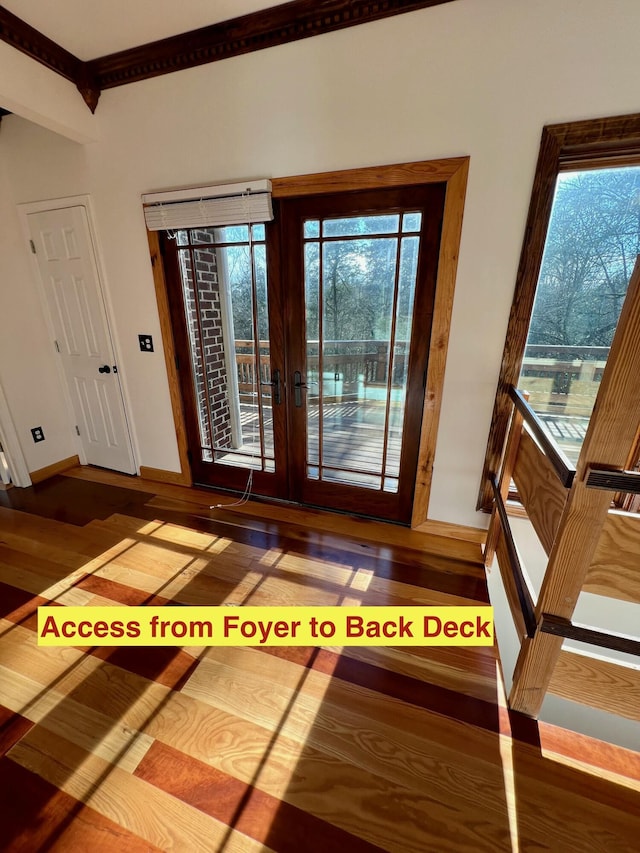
(104, 369)
(298, 385)
(275, 384)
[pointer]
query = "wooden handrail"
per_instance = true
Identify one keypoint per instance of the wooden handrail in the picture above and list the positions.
(567, 351)
(563, 467)
(582, 633)
(524, 596)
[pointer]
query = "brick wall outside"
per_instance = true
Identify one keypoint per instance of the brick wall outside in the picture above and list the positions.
(209, 366)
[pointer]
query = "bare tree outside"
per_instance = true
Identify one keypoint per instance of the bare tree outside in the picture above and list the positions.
(592, 244)
(591, 248)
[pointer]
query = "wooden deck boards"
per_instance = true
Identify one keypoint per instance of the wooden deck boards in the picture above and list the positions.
(290, 750)
(352, 439)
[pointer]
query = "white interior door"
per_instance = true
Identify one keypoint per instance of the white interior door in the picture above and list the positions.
(69, 275)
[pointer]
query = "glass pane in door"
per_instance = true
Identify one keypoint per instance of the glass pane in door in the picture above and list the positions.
(360, 279)
(224, 281)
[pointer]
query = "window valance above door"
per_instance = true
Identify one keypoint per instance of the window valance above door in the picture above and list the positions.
(212, 206)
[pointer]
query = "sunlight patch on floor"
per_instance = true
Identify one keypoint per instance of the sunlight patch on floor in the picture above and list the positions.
(362, 579)
(506, 756)
(270, 557)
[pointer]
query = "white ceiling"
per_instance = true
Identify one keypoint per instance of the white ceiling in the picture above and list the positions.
(92, 28)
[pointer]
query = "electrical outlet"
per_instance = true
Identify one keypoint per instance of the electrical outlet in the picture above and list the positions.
(37, 434)
(146, 343)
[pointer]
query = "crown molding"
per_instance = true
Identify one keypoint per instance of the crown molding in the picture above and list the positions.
(270, 27)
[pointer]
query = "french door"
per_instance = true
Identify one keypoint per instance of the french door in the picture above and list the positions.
(303, 347)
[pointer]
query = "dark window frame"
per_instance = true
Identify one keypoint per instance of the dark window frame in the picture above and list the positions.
(595, 144)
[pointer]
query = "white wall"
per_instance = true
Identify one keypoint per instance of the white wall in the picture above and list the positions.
(28, 371)
(464, 78)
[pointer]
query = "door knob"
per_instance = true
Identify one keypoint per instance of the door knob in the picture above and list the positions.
(298, 385)
(275, 384)
(104, 369)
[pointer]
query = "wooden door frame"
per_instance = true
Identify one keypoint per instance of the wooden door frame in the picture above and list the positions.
(453, 172)
(24, 211)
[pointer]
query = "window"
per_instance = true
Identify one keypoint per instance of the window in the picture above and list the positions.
(591, 247)
(574, 159)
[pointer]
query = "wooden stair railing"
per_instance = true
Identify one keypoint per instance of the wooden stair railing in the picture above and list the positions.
(589, 546)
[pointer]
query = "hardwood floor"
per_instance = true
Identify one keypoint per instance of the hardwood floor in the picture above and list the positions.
(268, 749)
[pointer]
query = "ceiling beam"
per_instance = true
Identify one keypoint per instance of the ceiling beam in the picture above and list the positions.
(270, 27)
(26, 38)
(32, 92)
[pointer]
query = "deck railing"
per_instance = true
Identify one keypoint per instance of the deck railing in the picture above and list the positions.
(349, 361)
(563, 379)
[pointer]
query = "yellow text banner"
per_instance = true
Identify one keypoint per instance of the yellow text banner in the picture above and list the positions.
(265, 626)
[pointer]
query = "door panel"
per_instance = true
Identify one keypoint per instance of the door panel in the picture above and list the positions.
(72, 290)
(228, 331)
(358, 343)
